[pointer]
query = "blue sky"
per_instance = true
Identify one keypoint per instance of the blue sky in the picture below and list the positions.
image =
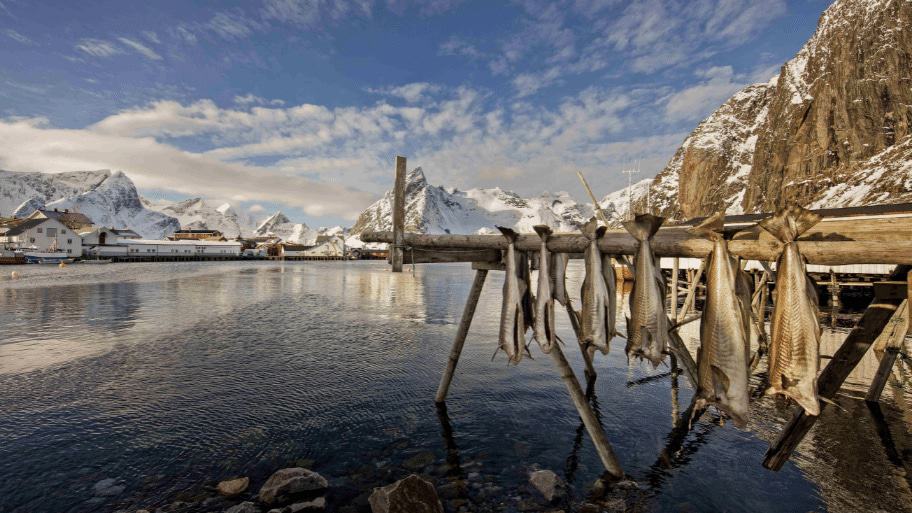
(302, 105)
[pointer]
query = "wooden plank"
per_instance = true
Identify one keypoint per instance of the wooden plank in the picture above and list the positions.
(398, 215)
(467, 314)
(593, 427)
(677, 242)
(871, 324)
(423, 256)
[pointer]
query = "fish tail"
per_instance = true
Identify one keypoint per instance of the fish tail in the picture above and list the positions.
(788, 223)
(644, 226)
(711, 228)
(543, 231)
(508, 233)
(592, 230)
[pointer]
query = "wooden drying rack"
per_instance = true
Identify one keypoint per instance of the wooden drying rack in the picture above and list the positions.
(836, 240)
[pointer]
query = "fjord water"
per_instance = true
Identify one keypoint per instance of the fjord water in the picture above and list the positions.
(170, 377)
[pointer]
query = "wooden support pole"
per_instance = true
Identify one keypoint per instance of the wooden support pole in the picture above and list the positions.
(398, 215)
(675, 268)
(871, 324)
(675, 241)
(894, 334)
(602, 446)
(577, 330)
(691, 292)
(467, 314)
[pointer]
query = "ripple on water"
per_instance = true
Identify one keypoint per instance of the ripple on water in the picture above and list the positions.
(168, 377)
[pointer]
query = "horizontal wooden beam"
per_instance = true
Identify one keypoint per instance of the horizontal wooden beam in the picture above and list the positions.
(675, 242)
(423, 256)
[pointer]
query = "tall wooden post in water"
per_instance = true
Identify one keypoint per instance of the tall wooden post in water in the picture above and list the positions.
(396, 253)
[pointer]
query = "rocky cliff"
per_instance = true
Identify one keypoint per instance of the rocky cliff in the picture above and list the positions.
(831, 129)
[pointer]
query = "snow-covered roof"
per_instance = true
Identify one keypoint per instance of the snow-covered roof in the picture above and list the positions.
(152, 242)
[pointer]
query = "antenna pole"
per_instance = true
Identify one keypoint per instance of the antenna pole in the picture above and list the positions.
(629, 172)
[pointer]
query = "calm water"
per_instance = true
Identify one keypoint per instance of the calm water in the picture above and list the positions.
(169, 377)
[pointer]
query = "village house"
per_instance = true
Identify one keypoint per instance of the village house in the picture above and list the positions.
(42, 234)
(197, 235)
(106, 242)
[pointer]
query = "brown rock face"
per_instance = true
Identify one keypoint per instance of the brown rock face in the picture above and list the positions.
(832, 129)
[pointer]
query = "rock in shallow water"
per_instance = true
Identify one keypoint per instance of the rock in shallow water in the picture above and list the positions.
(547, 483)
(107, 488)
(244, 507)
(233, 487)
(290, 482)
(410, 495)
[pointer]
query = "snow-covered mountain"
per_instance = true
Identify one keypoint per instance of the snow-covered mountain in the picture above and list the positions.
(35, 190)
(833, 128)
(433, 209)
(116, 203)
(278, 225)
(108, 199)
(198, 214)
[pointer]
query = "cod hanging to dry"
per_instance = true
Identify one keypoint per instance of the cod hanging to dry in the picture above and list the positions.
(795, 329)
(543, 328)
(516, 313)
(599, 293)
(725, 329)
(648, 325)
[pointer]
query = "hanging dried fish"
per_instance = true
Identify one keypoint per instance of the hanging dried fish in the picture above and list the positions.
(724, 354)
(558, 268)
(516, 313)
(795, 329)
(598, 300)
(543, 328)
(648, 325)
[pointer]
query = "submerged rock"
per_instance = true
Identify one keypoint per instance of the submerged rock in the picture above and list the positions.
(287, 483)
(244, 507)
(233, 487)
(548, 484)
(410, 495)
(108, 488)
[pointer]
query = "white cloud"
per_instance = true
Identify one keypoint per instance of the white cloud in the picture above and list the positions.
(458, 46)
(140, 48)
(252, 99)
(717, 85)
(232, 25)
(151, 36)
(256, 208)
(98, 47)
(159, 166)
(412, 93)
(17, 37)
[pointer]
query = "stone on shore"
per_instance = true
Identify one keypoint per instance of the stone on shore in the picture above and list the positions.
(286, 484)
(410, 495)
(233, 487)
(547, 483)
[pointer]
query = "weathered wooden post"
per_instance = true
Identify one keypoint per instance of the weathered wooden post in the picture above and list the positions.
(691, 292)
(467, 314)
(396, 253)
(674, 287)
(602, 446)
(893, 336)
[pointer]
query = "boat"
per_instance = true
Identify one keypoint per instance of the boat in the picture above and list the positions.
(47, 257)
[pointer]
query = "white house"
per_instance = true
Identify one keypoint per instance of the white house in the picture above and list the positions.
(332, 247)
(42, 234)
(101, 236)
(180, 248)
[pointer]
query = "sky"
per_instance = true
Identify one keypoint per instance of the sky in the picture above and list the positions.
(302, 105)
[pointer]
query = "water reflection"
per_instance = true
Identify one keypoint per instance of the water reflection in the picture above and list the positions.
(172, 377)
